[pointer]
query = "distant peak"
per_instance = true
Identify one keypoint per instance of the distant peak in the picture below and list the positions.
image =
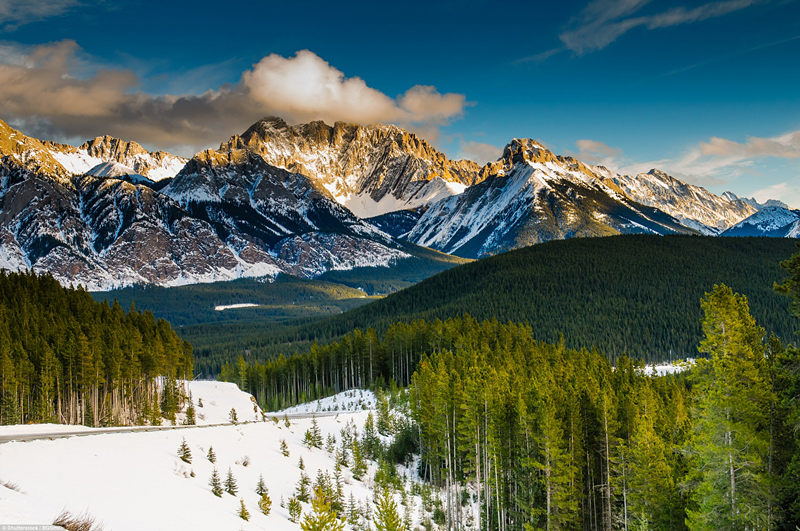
(523, 150)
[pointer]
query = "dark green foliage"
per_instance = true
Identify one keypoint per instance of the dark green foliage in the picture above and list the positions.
(66, 358)
(261, 488)
(404, 445)
(284, 303)
(634, 295)
(211, 455)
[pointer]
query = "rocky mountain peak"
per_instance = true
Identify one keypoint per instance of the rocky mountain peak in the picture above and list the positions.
(371, 169)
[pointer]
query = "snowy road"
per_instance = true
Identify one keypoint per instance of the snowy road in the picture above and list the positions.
(22, 437)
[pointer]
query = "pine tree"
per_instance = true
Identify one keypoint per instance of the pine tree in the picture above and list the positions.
(386, 516)
(353, 514)
(232, 417)
(284, 448)
(184, 452)
(731, 441)
(230, 484)
(211, 455)
(190, 413)
(359, 467)
(300, 464)
(244, 514)
(265, 503)
(261, 488)
(330, 444)
(216, 485)
(302, 489)
(316, 434)
(295, 510)
(322, 517)
(308, 439)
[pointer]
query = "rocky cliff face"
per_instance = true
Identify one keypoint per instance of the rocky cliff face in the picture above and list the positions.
(227, 215)
(369, 169)
(694, 206)
(291, 199)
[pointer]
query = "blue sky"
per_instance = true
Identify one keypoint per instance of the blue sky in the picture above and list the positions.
(707, 91)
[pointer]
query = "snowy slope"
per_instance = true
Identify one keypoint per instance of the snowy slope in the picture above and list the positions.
(350, 401)
(531, 196)
(771, 221)
(135, 481)
(218, 398)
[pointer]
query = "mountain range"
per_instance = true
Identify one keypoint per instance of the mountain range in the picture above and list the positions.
(310, 198)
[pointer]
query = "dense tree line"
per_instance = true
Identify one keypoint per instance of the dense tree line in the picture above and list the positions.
(66, 358)
(542, 436)
(625, 295)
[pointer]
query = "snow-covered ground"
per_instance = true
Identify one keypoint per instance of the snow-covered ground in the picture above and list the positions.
(135, 481)
(214, 400)
(668, 368)
(354, 400)
(223, 307)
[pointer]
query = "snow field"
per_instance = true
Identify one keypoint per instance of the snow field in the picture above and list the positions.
(134, 481)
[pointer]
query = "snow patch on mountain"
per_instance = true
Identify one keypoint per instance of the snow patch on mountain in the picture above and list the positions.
(76, 162)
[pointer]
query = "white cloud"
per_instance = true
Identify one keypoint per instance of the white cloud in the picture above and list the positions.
(52, 91)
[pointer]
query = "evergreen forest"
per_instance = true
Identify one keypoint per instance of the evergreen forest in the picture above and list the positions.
(543, 436)
(633, 295)
(66, 358)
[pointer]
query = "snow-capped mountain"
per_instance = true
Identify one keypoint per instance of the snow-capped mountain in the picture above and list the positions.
(155, 165)
(773, 221)
(529, 196)
(369, 169)
(249, 202)
(730, 196)
(227, 215)
(694, 206)
(282, 198)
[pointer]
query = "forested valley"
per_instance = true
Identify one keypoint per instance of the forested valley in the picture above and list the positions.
(68, 359)
(633, 295)
(542, 436)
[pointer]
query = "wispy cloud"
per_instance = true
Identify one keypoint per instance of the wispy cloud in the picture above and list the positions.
(49, 89)
(602, 22)
(15, 13)
(715, 162)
